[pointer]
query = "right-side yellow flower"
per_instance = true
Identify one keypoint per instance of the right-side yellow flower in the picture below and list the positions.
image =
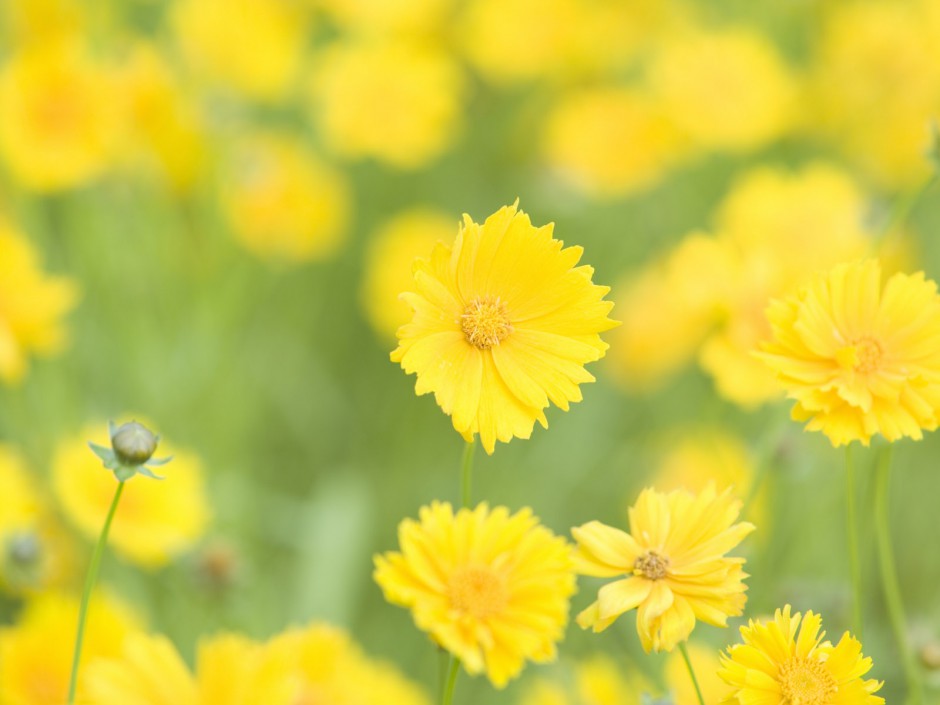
(672, 565)
(490, 587)
(778, 666)
(857, 359)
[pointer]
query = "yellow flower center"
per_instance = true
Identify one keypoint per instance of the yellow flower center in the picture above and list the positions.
(652, 566)
(485, 323)
(806, 682)
(862, 355)
(478, 591)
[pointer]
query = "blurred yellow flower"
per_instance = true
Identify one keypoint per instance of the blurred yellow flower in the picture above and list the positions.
(393, 248)
(32, 305)
(504, 323)
(776, 665)
(674, 565)
(598, 680)
(58, 119)
(36, 652)
(490, 587)
(610, 141)
(381, 17)
(281, 201)
(395, 101)
(857, 359)
(35, 21)
(705, 663)
(253, 48)
(155, 521)
(726, 89)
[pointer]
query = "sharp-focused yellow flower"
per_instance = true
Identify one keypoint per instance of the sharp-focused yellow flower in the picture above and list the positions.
(31, 306)
(857, 359)
(705, 664)
(155, 521)
(504, 323)
(58, 120)
(672, 565)
(395, 101)
(282, 202)
(490, 587)
(783, 662)
(392, 250)
(36, 653)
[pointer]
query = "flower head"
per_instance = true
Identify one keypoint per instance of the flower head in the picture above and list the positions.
(857, 359)
(672, 565)
(490, 587)
(776, 665)
(503, 324)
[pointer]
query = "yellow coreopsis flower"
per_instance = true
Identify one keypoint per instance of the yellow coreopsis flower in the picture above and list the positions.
(490, 587)
(859, 359)
(504, 323)
(783, 662)
(156, 520)
(672, 565)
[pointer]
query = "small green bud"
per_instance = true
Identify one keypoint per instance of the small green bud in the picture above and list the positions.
(133, 444)
(22, 564)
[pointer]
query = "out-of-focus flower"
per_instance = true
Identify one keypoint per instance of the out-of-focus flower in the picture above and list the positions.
(253, 48)
(598, 680)
(380, 17)
(155, 521)
(395, 101)
(32, 305)
(391, 254)
(36, 653)
(504, 323)
(490, 587)
(705, 663)
(778, 665)
(727, 89)
(672, 565)
(859, 359)
(34, 21)
(58, 116)
(282, 202)
(877, 86)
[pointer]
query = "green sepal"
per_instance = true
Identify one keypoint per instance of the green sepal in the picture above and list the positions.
(157, 462)
(106, 455)
(147, 472)
(123, 473)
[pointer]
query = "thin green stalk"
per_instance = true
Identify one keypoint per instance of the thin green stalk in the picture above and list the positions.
(889, 579)
(688, 665)
(447, 694)
(466, 473)
(90, 580)
(851, 532)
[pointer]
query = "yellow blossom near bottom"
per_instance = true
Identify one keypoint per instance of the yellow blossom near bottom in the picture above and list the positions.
(598, 680)
(785, 661)
(705, 664)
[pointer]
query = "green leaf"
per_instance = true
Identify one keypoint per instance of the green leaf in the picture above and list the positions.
(106, 455)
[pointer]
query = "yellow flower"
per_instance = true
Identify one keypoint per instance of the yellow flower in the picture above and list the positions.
(598, 680)
(36, 653)
(57, 116)
(504, 323)
(490, 587)
(776, 665)
(857, 359)
(31, 306)
(379, 17)
(672, 565)
(705, 663)
(156, 520)
(282, 202)
(395, 101)
(392, 250)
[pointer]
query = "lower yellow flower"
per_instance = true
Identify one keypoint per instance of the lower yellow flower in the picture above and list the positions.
(490, 587)
(672, 565)
(778, 666)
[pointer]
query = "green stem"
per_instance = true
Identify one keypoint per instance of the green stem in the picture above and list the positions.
(851, 532)
(889, 578)
(90, 579)
(688, 665)
(447, 693)
(466, 473)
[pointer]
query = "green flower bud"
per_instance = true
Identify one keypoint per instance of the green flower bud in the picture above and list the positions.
(133, 444)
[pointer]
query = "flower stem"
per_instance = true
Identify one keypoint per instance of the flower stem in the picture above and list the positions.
(466, 473)
(688, 665)
(447, 692)
(889, 578)
(851, 531)
(90, 579)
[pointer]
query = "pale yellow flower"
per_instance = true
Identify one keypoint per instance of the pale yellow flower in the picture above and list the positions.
(598, 680)
(705, 663)
(378, 17)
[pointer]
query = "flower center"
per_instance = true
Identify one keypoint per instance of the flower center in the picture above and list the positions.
(652, 566)
(868, 354)
(806, 682)
(485, 323)
(478, 591)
